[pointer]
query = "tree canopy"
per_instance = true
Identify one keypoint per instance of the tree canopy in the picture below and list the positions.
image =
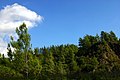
(95, 57)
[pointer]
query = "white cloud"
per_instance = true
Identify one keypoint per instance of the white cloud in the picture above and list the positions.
(13, 16)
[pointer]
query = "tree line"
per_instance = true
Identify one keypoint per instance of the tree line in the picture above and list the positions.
(94, 58)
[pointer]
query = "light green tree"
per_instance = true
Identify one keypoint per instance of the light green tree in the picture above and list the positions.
(22, 55)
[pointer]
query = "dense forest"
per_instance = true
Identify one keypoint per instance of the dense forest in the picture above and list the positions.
(94, 58)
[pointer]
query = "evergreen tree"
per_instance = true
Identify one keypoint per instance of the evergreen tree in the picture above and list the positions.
(22, 48)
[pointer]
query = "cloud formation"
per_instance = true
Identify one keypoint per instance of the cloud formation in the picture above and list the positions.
(13, 16)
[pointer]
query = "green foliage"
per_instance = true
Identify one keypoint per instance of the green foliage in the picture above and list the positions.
(9, 74)
(96, 58)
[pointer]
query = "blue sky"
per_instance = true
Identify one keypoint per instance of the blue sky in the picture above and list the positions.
(65, 21)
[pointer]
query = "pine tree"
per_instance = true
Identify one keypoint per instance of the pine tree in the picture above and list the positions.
(22, 48)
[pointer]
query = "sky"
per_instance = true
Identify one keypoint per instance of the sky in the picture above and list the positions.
(55, 22)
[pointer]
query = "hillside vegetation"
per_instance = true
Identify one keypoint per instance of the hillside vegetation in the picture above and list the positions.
(96, 58)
